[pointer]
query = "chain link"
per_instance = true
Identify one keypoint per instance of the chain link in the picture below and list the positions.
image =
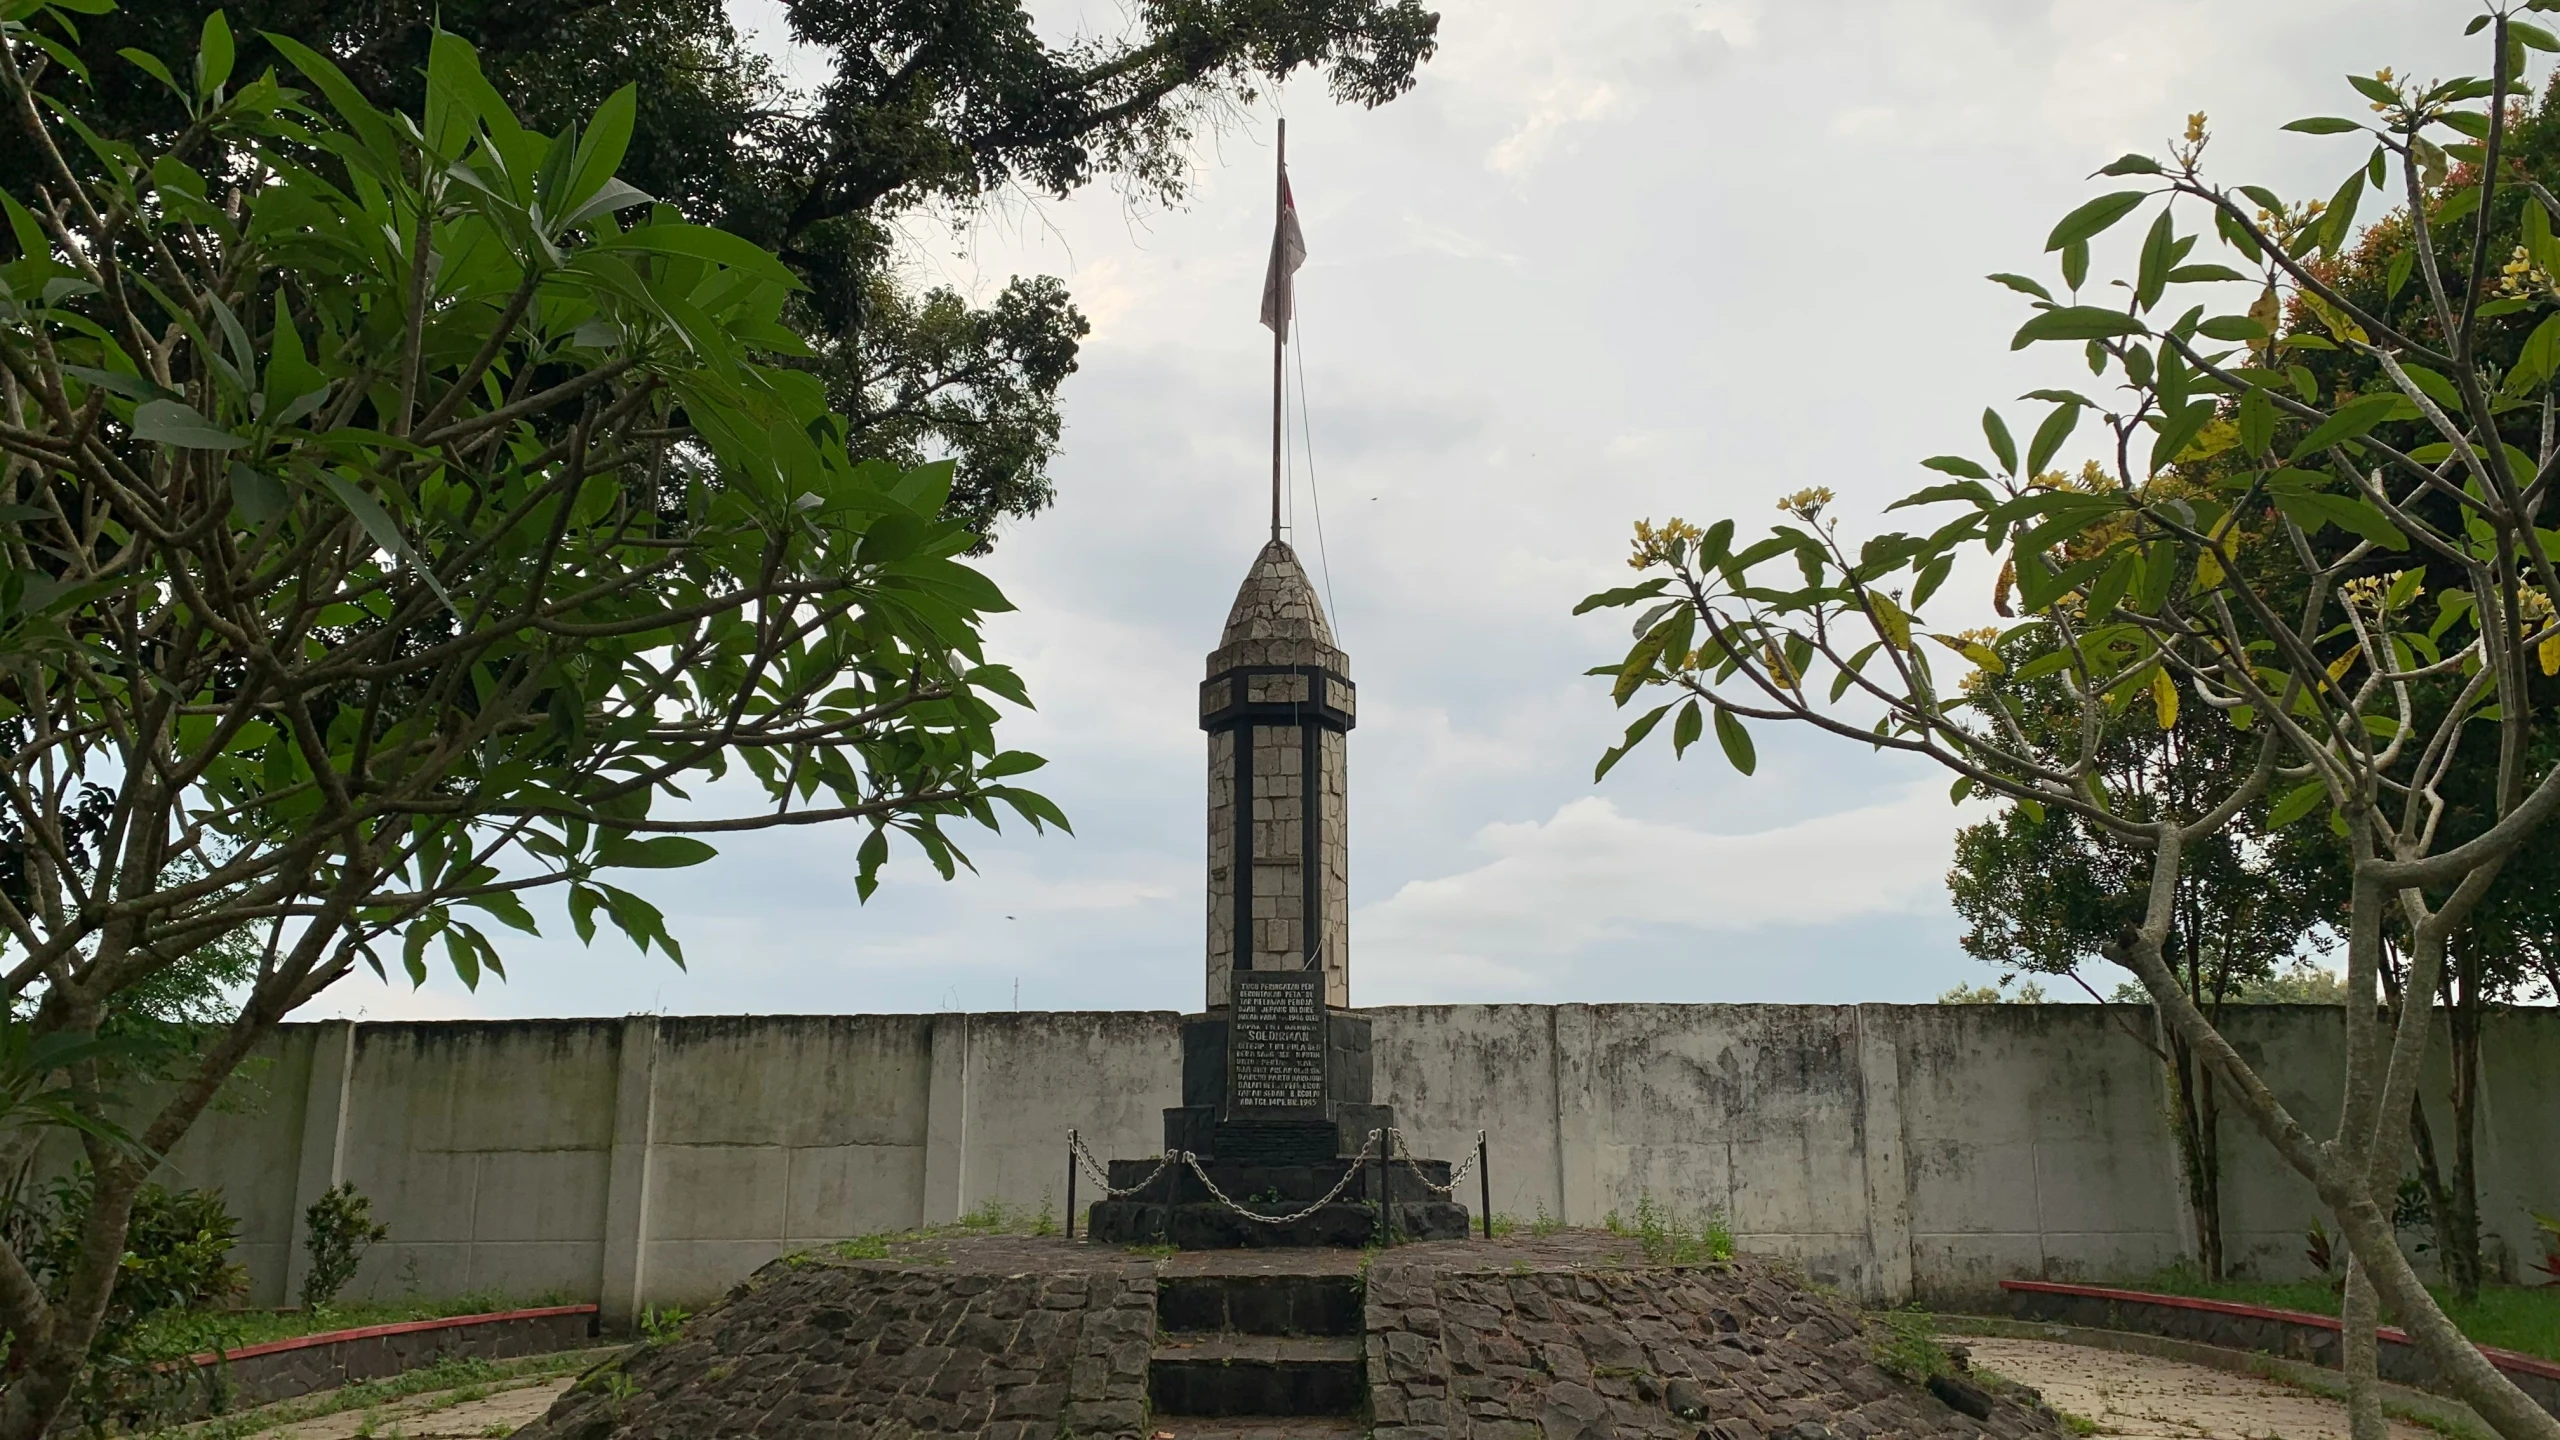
(1348, 1171)
(1457, 1177)
(1102, 1177)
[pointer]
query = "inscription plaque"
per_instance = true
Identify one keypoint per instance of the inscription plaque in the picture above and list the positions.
(1275, 1042)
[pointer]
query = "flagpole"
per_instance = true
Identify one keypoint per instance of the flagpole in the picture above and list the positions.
(1280, 331)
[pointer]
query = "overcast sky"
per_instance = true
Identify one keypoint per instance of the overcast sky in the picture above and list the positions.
(1605, 261)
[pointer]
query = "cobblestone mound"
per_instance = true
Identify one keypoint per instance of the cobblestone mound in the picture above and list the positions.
(1565, 1337)
(833, 1348)
(1724, 1352)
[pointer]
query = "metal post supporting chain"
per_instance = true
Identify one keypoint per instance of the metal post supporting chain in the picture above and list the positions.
(1387, 1183)
(1071, 1184)
(1484, 1183)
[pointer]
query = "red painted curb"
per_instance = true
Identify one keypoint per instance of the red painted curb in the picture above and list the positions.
(2503, 1359)
(367, 1332)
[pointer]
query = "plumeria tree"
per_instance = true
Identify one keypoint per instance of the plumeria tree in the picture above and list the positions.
(2356, 579)
(401, 515)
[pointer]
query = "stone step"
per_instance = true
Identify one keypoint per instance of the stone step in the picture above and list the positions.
(1260, 1427)
(1260, 1304)
(1255, 1375)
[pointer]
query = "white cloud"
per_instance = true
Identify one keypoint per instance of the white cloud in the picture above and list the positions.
(1553, 892)
(1576, 74)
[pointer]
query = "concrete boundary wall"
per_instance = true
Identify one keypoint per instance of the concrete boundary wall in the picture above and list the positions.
(1898, 1151)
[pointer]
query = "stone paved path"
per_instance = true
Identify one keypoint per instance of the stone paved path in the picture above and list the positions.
(433, 1416)
(2141, 1395)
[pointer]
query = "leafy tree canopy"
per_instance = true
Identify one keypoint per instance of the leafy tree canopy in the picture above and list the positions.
(945, 105)
(401, 514)
(2364, 592)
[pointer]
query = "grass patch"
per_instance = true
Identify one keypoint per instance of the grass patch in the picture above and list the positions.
(1905, 1343)
(2511, 1317)
(1669, 1238)
(193, 1332)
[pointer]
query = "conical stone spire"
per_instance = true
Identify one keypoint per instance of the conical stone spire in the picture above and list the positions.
(1278, 705)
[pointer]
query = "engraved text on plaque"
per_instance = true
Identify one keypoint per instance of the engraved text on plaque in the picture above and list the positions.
(1275, 1041)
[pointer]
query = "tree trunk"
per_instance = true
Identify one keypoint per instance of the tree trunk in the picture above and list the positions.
(2197, 1154)
(58, 1357)
(2360, 1314)
(2460, 1237)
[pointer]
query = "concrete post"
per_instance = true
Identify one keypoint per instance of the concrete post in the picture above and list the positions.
(1577, 1118)
(321, 1161)
(1887, 1163)
(622, 1289)
(946, 1122)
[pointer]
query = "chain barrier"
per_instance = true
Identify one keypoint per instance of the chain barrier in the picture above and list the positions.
(1348, 1171)
(1102, 1177)
(1457, 1177)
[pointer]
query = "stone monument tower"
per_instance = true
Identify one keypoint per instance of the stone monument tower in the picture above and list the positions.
(1278, 706)
(1276, 1071)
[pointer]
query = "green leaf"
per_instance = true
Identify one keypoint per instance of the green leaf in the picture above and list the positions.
(2159, 245)
(2178, 429)
(2234, 329)
(377, 522)
(2435, 387)
(2075, 263)
(2323, 125)
(256, 497)
(2539, 359)
(1996, 430)
(2130, 164)
(1936, 494)
(655, 852)
(2339, 222)
(2312, 509)
(2257, 421)
(1736, 741)
(2349, 421)
(213, 55)
(1955, 465)
(2375, 90)
(1623, 595)
(2297, 802)
(2056, 429)
(150, 64)
(701, 242)
(1686, 729)
(1635, 736)
(601, 148)
(2093, 218)
(176, 423)
(2023, 286)
(2199, 274)
(2076, 322)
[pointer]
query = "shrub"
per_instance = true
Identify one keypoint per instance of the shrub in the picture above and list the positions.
(177, 1258)
(338, 1228)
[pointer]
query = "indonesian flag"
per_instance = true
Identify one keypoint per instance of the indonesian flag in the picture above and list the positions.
(1288, 252)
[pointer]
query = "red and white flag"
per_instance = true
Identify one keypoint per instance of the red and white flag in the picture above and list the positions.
(1288, 252)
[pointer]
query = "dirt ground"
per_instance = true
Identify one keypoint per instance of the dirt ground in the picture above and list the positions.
(2140, 1395)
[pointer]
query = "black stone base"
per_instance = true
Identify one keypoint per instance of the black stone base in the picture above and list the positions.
(1208, 1225)
(1267, 1187)
(1198, 1129)
(1175, 1208)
